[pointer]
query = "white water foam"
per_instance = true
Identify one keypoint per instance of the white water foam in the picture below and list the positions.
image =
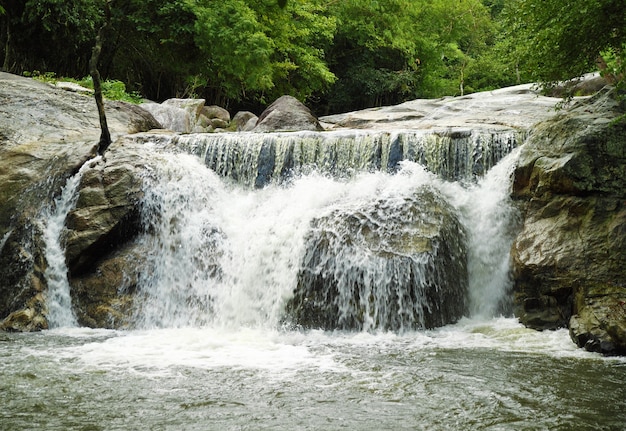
(491, 221)
(224, 255)
(4, 239)
(59, 301)
(283, 354)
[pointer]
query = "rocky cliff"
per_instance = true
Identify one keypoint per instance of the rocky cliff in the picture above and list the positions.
(46, 135)
(570, 257)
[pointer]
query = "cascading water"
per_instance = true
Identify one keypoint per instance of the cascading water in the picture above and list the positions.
(492, 221)
(4, 239)
(258, 159)
(59, 301)
(224, 254)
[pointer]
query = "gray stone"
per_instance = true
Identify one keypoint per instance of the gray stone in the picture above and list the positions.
(170, 117)
(517, 107)
(570, 257)
(218, 123)
(244, 121)
(287, 114)
(46, 134)
(214, 111)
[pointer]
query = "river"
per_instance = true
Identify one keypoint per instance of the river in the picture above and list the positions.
(475, 375)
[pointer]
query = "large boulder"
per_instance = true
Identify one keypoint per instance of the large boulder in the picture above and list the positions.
(104, 254)
(244, 121)
(395, 264)
(570, 257)
(287, 114)
(46, 135)
(188, 115)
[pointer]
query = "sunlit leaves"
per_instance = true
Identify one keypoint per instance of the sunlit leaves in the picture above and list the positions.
(253, 49)
(562, 40)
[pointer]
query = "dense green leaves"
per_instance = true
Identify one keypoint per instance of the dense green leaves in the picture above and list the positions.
(335, 54)
(562, 40)
(257, 50)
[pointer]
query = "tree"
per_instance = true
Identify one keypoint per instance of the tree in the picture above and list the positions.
(257, 51)
(385, 52)
(105, 135)
(564, 40)
(51, 35)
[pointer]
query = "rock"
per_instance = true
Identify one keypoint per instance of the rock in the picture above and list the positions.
(287, 114)
(103, 297)
(570, 256)
(193, 108)
(216, 112)
(107, 210)
(28, 319)
(71, 86)
(170, 117)
(584, 86)
(139, 120)
(218, 123)
(244, 121)
(188, 115)
(391, 265)
(600, 324)
(518, 107)
(46, 134)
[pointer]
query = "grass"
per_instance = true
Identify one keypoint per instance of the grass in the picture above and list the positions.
(111, 89)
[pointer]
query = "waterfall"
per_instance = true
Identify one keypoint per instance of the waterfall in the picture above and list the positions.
(223, 253)
(256, 159)
(59, 301)
(491, 221)
(4, 239)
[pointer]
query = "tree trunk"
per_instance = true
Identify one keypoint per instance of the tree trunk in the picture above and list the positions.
(7, 45)
(105, 135)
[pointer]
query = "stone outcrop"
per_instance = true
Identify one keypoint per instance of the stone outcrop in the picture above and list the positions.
(518, 107)
(46, 135)
(189, 115)
(104, 253)
(570, 257)
(287, 114)
(388, 265)
(244, 121)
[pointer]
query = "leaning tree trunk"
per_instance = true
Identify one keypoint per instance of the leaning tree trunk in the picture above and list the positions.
(105, 135)
(7, 45)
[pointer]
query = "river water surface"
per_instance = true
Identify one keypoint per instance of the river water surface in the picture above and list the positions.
(475, 375)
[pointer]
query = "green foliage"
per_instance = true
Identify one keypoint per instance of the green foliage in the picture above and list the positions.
(152, 47)
(563, 40)
(66, 26)
(389, 51)
(335, 55)
(116, 90)
(255, 50)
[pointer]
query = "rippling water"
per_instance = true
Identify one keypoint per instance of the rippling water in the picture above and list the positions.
(490, 375)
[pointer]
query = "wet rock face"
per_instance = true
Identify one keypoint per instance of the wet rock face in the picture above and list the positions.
(46, 135)
(392, 265)
(570, 257)
(104, 259)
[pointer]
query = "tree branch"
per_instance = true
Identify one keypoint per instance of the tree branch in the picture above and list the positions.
(105, 135)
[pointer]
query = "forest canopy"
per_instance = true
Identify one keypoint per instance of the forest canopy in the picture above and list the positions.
(334, 55)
